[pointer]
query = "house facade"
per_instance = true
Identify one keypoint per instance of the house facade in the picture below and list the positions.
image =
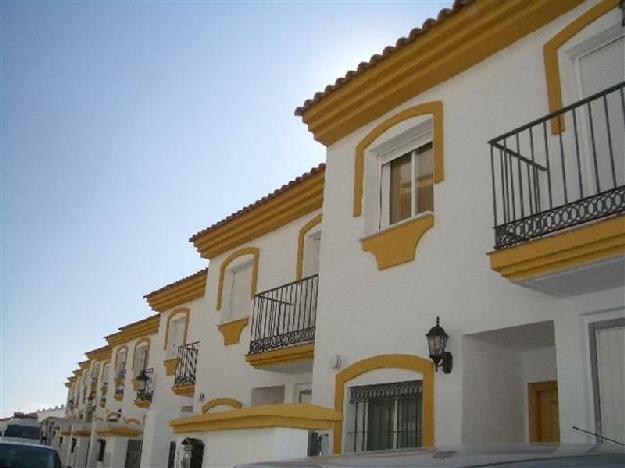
(453, 274)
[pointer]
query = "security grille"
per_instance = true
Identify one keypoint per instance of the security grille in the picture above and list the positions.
(386, 416)
(133, 454)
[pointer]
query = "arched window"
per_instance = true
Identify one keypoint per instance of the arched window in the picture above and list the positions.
(141, 354)
(237, 284)
(176, 332)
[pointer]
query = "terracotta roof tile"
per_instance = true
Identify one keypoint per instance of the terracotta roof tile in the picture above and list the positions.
(315, 170)
(377, 58)
(176, 283)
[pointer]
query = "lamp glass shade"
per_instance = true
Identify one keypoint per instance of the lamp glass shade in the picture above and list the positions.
(437, 341)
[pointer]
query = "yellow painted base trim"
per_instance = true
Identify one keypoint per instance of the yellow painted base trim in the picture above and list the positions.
(231, 331)
(385, 361)
(569, 249)
(170, 366)
(142, 403)
(397, 244)
(81, 433)
(293, 415)
(119, 432)
(183, 390)
(231, 402)
(281, 356)
(66, 433)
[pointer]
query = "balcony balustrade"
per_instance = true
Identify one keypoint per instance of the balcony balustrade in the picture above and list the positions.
(187, 364)
(146, 387)
(284, 316)
(561, 170)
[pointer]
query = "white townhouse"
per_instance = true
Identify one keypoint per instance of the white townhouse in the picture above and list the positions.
(469, 289)
(476, 173)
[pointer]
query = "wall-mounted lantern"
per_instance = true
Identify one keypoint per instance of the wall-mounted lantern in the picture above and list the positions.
(437, 342)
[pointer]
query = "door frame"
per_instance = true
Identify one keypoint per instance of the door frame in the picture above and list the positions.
(533, 405)
(593, 328)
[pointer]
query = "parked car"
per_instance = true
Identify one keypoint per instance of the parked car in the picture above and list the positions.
(511, 456)
(23, 455)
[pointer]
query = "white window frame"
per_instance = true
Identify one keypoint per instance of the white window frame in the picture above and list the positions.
(232, 314)
(384, 178)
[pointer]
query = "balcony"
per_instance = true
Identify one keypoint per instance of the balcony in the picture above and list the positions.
(186, 367)
(558, 187)
(146, 388)
(283, 326)
(120, 382)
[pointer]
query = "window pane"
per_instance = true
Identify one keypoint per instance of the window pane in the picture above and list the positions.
(400, 190)
(380, 422)
(424, 195)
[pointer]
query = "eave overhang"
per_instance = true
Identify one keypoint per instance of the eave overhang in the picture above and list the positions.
(99, 354)
(287, 204)
(448, 47)
(177, 293)
(139, 329)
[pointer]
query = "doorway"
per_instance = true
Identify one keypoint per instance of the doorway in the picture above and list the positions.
(544, 421)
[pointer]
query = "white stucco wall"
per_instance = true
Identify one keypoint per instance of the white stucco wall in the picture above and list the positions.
(451, 275)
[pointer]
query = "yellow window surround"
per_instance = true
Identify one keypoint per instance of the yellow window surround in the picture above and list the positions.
(255, 253)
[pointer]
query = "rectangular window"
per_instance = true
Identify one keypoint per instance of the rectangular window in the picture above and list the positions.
(385, 416)
(406, 188)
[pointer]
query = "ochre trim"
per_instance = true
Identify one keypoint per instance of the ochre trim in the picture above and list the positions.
(302, 198)
(183, 390)
(397, 244)
(385, 361)
(551, 60)
(301, 237)
(434, 108)
(118, 397)
(236, 404)
(100, 354)
(66, 433)
(461, 41)
(293, 415)
(139, 329)
(81, 433)
(255, 253)
(132, 421)
(272, 358)
(231, 331)
(170, 366)
(569, 249)
(119, 432)
(178, 293)
(112, 413)
(174, 313)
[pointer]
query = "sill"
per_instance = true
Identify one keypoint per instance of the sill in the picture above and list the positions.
(184, 390)
(231, 331)
(119, 397)
(398, 243)
(142, 403)
(170, 366)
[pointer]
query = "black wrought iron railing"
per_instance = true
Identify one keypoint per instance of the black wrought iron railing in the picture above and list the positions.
(120, 382)
(285, 316)
(146, 387)
(564, 169)
(187, 364)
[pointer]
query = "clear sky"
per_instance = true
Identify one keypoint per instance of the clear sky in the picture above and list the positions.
(128, 127)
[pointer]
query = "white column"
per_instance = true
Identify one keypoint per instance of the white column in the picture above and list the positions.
(157, 435)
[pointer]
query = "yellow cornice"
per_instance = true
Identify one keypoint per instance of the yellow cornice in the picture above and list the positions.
(135, 330)
(99, 354)
(293, 415)
(449, 48)
(83, 365)
(569, 249)
(180, 292)
(231, 331)
(81, 433)
(300, 199)
(280, 356)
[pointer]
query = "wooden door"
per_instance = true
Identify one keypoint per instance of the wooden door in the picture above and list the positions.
(544, 421)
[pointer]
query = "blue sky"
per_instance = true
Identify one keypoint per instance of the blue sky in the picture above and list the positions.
(126, 128)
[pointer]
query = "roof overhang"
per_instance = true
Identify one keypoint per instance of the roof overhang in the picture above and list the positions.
(428, 57)
(145, 327)
(177, 293)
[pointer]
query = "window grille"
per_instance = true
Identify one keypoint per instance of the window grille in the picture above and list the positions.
(386, 416)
